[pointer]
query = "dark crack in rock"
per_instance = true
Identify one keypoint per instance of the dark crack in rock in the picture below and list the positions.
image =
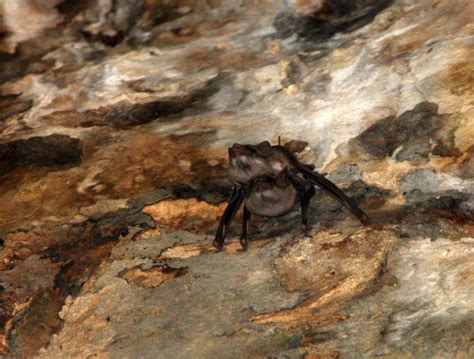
(76, 119)
(443, 201)
(126, 114)
(332, 17)
(453, 205)
(48, 151)
(414, 135)
(134, 114)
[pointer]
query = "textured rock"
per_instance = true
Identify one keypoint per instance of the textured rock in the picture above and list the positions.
(235, 287)
(115, 119)
(416, 313)
(24, 19)
(49, 151)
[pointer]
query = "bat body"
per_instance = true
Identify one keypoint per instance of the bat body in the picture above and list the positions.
(267, 196)
(254, 167)
(270, 196)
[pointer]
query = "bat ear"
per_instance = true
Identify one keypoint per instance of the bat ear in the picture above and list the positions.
(282, 179)
(264, 148)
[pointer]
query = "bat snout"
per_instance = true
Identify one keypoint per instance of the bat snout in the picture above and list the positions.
(237, 150)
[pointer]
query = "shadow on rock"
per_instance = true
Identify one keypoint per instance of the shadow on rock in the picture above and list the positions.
(332, 17)
(48, 151)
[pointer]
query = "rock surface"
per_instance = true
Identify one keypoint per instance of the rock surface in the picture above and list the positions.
(115, 119)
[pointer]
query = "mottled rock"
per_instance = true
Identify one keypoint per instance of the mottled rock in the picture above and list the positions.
(11, 105)
(467, 165)
(48, 151)
(21, 285)
(428, 180)
(24, 19)
(189, 214)
(345, 173)
(296, 146)
(161, 329)
(151, 277)
(227, 97)
(415, 312)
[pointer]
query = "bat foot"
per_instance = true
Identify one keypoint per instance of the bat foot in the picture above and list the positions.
(305, 230)
(364, 219)
(244, 243)
(217, 245)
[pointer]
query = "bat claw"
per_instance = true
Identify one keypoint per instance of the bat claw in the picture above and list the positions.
(244, 243)
(305, 230)
(365, 219)
(217, 245)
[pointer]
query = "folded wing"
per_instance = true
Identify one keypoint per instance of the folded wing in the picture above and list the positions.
(321, 181)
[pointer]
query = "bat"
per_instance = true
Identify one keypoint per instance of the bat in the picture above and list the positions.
(264, 163)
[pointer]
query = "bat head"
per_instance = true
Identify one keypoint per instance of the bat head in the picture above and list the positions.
(249, 161)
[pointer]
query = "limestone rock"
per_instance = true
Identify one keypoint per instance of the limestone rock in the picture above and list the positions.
(115, 118)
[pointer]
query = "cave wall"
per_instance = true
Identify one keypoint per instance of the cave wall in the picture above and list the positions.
(115, 118)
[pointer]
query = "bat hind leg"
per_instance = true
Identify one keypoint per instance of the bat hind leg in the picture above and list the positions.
(306, 192)
(306, 197)
(244, 237)
(235, 202)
